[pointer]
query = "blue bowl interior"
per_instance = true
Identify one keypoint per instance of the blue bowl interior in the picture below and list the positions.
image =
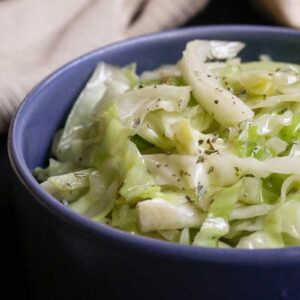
(46, 107)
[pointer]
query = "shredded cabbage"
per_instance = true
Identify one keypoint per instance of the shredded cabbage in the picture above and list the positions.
(205, 152)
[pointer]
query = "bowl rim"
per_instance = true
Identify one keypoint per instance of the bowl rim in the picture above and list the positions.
(117, 238)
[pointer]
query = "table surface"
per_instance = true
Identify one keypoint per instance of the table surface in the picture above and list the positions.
(11, 260)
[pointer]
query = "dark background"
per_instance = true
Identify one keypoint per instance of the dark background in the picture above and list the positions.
(13, 279)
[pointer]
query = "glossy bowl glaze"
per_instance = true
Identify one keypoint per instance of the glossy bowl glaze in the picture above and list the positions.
(71, 257)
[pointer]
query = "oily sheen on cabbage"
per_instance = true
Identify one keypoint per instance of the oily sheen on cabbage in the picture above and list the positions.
(205, 152)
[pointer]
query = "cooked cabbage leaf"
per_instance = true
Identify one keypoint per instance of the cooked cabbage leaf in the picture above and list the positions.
(203, 152)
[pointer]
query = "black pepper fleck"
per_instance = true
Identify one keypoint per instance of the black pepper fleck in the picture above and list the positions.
(208, 152)
(200, 159)
(188, 198)
(199, 188)
(210, 170)
(136, 122)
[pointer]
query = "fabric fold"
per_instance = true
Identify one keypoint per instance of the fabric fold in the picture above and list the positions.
(40, 36)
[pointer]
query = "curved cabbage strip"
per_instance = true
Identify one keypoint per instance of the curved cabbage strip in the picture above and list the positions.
(170, 235)
(273, 101)
(138, 183)
(291, 133)
(216, 223)
(287, 185)
(260, 78)
(163, 72)
(272, 66)
(169, 130)
(105, 201)
(98, 188)
(284, 222)
(200, 119)
(68, 187)
(260, 240)
(185, 238)
(83, 108)
(295, 150)
(180, 130)
(222, 105)
(256, 83)
(278, 165)
(124, 217)
(182, 171)
(128, 163)
(251, 211)
(55, 168)
(276, 145)
(160, 214)
(287, 79)
(270, 124)
(251, 190)
(248, 225)
(134, 105)
(237, 167)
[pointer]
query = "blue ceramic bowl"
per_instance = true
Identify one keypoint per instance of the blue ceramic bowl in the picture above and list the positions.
(71, 257)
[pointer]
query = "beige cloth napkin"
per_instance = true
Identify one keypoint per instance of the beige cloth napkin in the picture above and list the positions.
(286, 12)
(37, 36)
